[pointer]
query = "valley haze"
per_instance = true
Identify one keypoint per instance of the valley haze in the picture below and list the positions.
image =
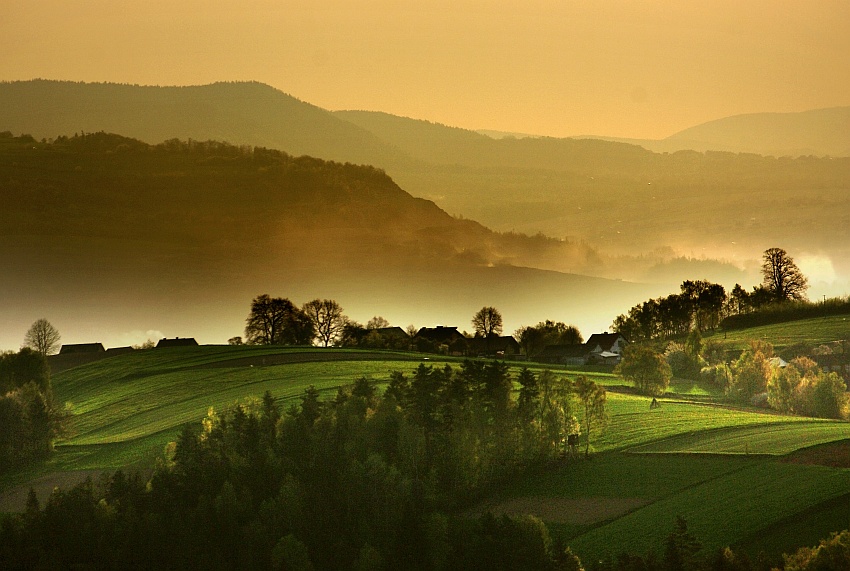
(178, 261)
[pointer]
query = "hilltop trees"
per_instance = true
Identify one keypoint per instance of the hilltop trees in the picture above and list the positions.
(699, 304)
(487, 321)
(782, 277)
(42, 337)
(327, 319)
(277, 321)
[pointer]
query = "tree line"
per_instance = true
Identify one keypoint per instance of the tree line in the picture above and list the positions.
(279, 321)
(360, 480)
(703, 305)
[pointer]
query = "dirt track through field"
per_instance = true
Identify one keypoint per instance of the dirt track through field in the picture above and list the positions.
(572, 511)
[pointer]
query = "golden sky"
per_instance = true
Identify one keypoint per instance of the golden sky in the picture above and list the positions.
(643, 69)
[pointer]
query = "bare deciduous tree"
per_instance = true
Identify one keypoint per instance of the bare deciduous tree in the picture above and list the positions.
(42, 337)
(782, 277)
(328, 319)
(487, 321)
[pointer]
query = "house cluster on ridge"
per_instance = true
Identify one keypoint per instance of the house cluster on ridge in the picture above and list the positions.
(450, 340)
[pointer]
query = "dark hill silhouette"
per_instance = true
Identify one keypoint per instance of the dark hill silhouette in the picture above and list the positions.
(620, 197)
(237, 112)
(101, 229)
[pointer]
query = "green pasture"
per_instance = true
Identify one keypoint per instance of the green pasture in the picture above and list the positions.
(776, 438)
(814, 331)
(714, 464)
(720, 511)
(632, 423)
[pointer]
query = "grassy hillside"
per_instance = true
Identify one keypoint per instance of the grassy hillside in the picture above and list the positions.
(803, 332)
(735, 474)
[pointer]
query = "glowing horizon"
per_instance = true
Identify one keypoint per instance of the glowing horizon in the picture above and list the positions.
(620, 69)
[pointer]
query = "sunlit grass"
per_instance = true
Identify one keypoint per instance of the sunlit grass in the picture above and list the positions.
(719, 511)
(814, 331)
(777, 438)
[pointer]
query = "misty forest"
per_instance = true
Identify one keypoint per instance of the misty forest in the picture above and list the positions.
(629, 355)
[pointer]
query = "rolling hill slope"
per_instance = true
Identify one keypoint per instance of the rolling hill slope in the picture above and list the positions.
(127, 407)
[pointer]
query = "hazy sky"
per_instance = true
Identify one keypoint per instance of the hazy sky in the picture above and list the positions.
(558, 67)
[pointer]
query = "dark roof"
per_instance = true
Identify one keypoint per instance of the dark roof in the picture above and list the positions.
(81, 348)
(177, 342)
(119, 350)
(440, 334)
(604, 340)
(391, 331)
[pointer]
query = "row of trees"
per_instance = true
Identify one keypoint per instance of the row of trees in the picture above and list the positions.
(278, 321)
(361, 480)
(702, 305)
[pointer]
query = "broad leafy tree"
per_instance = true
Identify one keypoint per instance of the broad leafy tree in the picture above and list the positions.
(782, 277)
(648, 370)
(534, 339)
(277, 321)
(42, 337)
(751, 372)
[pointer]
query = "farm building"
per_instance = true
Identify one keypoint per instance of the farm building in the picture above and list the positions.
(504, 345)
(77, 348)
(605, 348)
(564, 354)
(177, 342)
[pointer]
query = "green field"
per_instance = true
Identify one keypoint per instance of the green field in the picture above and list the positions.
(723, 468)
(812, 332)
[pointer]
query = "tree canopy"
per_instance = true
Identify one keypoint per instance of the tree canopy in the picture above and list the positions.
(487, 321)
(782, 277)
(42, 337)
(647, 369)
(277, 321)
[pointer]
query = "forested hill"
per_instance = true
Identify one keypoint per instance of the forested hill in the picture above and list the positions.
(237, 112)
(621, 198)
(181, 234)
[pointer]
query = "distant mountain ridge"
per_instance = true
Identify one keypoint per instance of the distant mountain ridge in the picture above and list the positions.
(622, 198)
(236, 112)
(818, 132)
